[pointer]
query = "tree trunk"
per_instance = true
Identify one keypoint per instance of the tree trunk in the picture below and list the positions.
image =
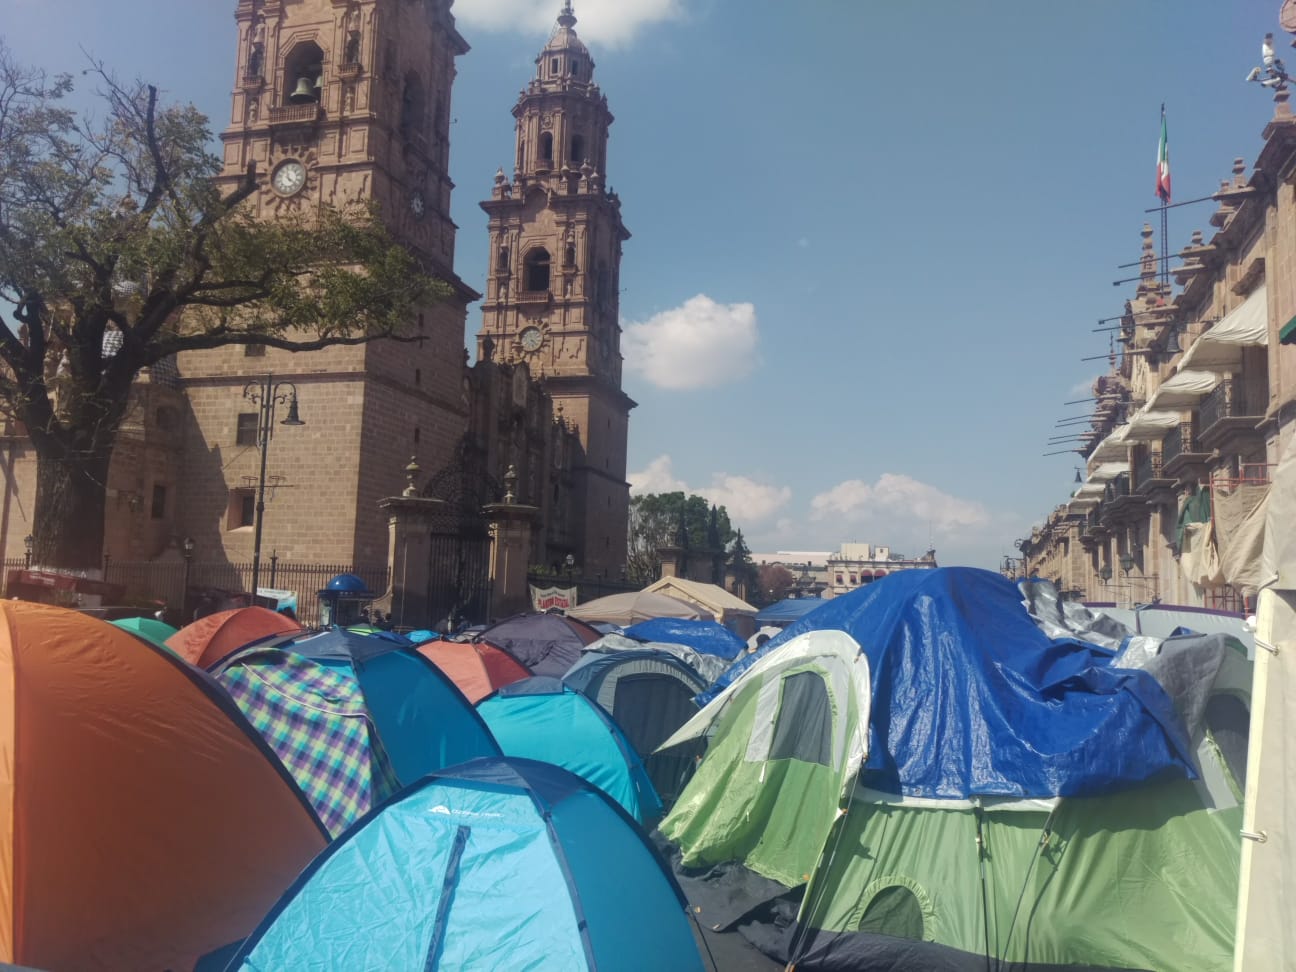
(71, 493)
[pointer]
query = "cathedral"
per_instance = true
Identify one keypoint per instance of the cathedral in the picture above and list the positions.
(342, 101)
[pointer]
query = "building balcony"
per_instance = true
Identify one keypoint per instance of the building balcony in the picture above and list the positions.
(1227, 412)
(306, 114)
(1148, 477)
(1181, 450)
(1121, 503)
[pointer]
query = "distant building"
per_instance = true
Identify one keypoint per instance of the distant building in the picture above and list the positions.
(824, 574)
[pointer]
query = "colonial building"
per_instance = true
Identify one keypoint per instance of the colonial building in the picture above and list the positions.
(1197, 408)
(339, 101)
(552, 294)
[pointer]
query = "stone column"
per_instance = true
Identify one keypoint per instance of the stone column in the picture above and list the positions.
(409, 525)
(511, 525)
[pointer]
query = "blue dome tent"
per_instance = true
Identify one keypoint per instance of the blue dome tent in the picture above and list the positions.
(710, 637)
(541, 718)
(500, 863)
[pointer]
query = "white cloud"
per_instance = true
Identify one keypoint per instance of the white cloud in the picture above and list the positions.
(699, 344)
(745, 499)
(897, 501)
(608, 23)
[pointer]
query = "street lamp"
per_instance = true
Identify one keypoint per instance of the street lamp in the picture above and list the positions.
(187, 548)
(28, 541)
(1126, 563)
(1105, 572)
(267, 394)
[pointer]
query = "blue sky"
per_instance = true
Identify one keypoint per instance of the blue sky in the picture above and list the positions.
(871, 239)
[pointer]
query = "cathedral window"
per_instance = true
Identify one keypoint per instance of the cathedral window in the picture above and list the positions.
(502, 260)
(303, 74)
(577, 149)
(537, 269)
(576, 64)
(412, 106)
(569, 255)
(546, 146)
(553, 66)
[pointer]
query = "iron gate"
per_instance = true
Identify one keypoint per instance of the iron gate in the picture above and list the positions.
(459, 547)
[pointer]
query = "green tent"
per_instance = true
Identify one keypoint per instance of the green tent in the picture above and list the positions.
(1142, 878)
(150, 629)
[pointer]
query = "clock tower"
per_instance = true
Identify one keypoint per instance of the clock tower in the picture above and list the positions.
(338, 102)
(552, 288)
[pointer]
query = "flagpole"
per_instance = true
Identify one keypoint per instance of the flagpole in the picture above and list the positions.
(1165, 215)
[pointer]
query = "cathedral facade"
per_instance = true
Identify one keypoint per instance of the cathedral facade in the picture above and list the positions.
(348, 101)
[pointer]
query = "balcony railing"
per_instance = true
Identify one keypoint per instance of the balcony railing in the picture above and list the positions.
(1147, 468)
(1118, 488)
(1179, 440)
(1227, 409)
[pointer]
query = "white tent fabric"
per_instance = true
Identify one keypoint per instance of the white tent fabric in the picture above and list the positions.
(635, 606)
(1266, 934)
(1112, 448)
(1239, 533)
(1279, 558)
(1108, 471)
(1146, 425)
(1184, 390)
(1082, 503)
(1095, 490)
(1220, 348)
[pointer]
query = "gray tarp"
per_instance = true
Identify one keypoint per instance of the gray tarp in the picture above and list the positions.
(1239, 535)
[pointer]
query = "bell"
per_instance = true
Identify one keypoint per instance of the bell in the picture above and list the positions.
(319, 84)
(304, 92)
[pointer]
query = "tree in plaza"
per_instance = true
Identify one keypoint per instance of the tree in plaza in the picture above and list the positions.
(655, 522)
(743, 569)
(118, 250)
(776, 582)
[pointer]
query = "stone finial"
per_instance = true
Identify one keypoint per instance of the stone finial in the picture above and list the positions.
(500, 177)
(1239, 172)
(1197, 239)
(411, 477)
(1281, 108)
(510, 485)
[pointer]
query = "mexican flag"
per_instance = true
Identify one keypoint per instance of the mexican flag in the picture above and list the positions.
(1163, 163)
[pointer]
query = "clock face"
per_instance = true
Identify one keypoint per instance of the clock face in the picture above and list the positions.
(418, 205)
(531, 339)
(289, 178)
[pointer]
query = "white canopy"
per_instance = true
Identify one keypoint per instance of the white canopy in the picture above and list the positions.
(1081, 503)
(1113, 448)
(1146, 425)
(1220, 348)
(1184, 390)
(1108, 471)
(1091, 489)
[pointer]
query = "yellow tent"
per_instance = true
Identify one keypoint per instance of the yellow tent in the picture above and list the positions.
(731, 611)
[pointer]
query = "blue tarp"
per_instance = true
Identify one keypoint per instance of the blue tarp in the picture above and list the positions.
(789, 609)
(706, 636)
(971, 698)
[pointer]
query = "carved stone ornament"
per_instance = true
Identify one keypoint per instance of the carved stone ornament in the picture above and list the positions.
(547, 120)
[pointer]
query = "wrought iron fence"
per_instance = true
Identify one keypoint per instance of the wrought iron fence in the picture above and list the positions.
(1217, 405)
(166, 582)
(1118, 488)
(587, 588)
(1178, 441)
(11, 563)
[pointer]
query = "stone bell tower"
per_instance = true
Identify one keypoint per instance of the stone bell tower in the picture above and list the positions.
(337, 102)
(553, 282)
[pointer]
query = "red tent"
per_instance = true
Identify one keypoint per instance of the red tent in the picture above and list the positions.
(209, 639)
(478, 668)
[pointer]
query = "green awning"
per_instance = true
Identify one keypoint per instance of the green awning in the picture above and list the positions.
(1288, 333)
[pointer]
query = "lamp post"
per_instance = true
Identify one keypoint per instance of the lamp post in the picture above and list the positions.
(267, 394)
(28, 541)
(187, 548)
(1126, 563)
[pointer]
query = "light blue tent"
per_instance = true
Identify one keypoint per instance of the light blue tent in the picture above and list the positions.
(496, 864)
(541, 718)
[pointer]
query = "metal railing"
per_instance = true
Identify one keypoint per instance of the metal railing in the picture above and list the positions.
(1147, 468)
(1217, 405)
(165, 582)
(1179, 440)
(1118, 488)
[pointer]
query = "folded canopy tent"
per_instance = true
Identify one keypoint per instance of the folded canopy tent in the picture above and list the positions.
(1220, 347)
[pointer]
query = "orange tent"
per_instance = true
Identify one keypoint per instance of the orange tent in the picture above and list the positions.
(477, 667)
(143, 821)
(208, 640)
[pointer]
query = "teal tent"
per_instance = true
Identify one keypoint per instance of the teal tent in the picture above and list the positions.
(152, 630)
(541, 718)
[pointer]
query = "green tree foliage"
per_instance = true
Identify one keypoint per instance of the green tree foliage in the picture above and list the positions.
(118, 250)
(743, 568)
(775, 582)
(655, 522)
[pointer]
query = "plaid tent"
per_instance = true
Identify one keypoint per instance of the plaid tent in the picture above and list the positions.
(315, 718)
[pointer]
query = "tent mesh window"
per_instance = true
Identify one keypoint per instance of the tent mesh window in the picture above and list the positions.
(804, 727)
(1229, 722)
(894, 911)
